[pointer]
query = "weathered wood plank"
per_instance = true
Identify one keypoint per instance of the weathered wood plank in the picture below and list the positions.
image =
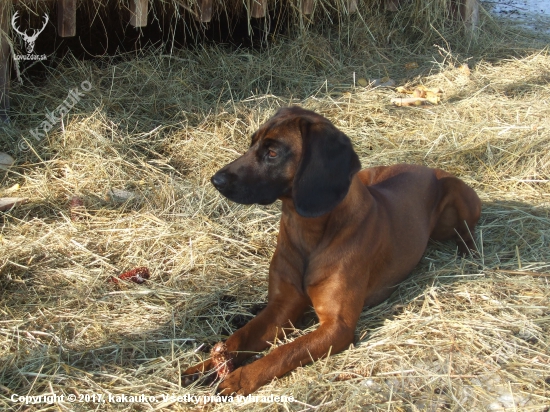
(259, 8)
(138, 12)
(307, 6)
(66, 18)
(469, 13)
(204, 10)
(394, 5)
(5, 59)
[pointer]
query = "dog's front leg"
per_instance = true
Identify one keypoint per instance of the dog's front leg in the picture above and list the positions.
(285, 305)
(338, 309)
(282, 311)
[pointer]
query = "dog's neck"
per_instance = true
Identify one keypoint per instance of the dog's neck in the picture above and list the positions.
(309, 233)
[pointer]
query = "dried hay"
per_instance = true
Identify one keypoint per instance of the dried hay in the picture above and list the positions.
(460, 334)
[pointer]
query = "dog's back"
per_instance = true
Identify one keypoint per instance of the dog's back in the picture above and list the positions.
(452, 208)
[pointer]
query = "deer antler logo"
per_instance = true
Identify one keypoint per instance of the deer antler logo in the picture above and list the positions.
(29, 40)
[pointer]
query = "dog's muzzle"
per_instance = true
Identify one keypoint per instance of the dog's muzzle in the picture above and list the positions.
(220, 180)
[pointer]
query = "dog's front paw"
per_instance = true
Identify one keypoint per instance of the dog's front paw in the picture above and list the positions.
(232, 384)
(202, 371)
(238, 382)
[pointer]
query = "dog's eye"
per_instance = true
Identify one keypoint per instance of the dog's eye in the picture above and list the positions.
(271, 154)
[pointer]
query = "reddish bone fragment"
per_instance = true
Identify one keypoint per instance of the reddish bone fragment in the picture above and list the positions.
(76, 208)
(223, 363)
(137, 275)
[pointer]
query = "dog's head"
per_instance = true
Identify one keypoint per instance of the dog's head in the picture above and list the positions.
(297, 154)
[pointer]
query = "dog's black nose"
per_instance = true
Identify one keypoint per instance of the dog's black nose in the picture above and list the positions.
(219, 180)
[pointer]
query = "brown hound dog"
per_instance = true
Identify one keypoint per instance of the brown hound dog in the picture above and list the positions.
(346, 238)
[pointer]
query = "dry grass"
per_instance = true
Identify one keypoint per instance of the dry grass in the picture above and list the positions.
(461, 334)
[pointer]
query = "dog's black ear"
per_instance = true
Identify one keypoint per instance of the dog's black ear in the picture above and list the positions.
(327, 166)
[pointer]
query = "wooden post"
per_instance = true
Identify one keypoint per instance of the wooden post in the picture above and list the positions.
(204, 10)
(469, 13)
(307, 6)
(138, 12)
(5, 11)
(66, 18)
(392, 5)
(259, 8)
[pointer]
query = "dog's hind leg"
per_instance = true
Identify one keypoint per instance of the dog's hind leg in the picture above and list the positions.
(457, 213)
